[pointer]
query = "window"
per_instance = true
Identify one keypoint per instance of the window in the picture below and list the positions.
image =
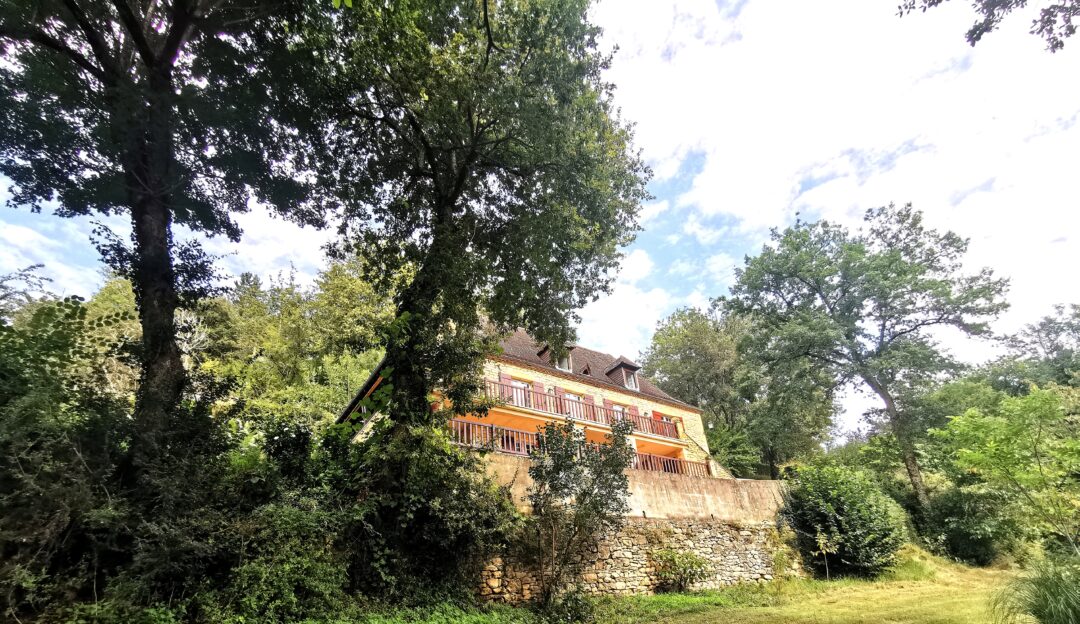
(519, 392)
(574, 407)
(564, 363)
(631, 380)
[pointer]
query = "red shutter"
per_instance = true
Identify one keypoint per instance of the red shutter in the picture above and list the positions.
(657, 415)
(634, 411)
(590, 408)
(560, 401)
(539, 399)
(504, 386)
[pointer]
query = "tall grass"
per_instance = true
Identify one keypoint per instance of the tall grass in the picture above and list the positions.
(1049, 593)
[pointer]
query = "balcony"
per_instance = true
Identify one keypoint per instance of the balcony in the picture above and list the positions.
(478, 435)
(578, 410)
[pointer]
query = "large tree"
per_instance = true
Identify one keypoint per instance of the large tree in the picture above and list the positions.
(758, 412)
(176, 112)
(482, 149)
(865, 306)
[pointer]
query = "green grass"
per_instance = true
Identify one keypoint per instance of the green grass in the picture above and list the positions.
(921, 589)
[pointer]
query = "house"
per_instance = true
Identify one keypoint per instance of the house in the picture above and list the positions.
(534, 387)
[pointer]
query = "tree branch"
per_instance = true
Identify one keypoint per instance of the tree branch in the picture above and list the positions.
(93, 37)
(131, 23)
(48, 41)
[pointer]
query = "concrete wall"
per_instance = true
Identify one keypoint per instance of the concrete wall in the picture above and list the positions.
(664, 495)
(691, 428)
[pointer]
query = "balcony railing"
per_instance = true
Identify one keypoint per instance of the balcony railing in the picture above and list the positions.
(526, 397)
(517, 442)
(659, 463)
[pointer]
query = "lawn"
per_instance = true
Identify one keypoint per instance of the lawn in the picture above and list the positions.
(923, 590)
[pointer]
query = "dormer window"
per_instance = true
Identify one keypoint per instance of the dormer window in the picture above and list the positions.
(631, 379)
(563, 363)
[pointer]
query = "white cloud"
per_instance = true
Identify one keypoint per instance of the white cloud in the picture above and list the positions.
(636, 266)
(683, 267)
(706, 235)
(721, 268)
(651, 211)
(622, 323)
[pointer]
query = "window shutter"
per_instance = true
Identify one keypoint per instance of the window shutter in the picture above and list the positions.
(539, 399)
(634, 411)
(504, 386)
(590, 407)
(608, 403)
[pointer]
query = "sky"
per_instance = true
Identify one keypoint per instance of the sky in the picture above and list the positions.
(754, 112)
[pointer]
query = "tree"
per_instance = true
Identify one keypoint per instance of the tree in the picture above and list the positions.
(756, 411)
(861, 306)
(579, 492)
(482, 149)
(175, 112)
(1054, 22)
(17, 289)
(1050, 348)
(1029, 449)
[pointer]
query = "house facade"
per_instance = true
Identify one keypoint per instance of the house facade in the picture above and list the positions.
(532, 388)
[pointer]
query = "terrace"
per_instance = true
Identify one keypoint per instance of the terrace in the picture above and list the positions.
(480, 435)
(527, 398)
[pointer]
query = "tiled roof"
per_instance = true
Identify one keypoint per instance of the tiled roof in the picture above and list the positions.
(603, 368)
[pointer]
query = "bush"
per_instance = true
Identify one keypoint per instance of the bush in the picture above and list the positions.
(1049, 593)
(970, 526)
(677, 570)
(843, 523)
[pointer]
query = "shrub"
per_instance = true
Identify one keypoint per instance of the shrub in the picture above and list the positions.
(844, 524)
(970, 526)
(677, 570)
(578, 493)
(1049, 593)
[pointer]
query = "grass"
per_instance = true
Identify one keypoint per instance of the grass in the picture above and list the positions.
(922, 589)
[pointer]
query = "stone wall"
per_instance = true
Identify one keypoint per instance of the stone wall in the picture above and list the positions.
(623, 564)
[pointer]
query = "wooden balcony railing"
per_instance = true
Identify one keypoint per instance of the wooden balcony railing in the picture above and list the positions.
(517, 442)
(659, 463)
(578, 410)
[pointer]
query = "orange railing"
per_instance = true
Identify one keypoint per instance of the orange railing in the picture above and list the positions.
(578, 410)
(518, 442)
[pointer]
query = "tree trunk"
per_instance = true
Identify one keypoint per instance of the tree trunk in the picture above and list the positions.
(150, 176)
(903, 439)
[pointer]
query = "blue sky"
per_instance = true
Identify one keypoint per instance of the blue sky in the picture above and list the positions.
(753, 111)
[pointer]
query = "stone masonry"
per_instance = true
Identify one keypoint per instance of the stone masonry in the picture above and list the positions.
(622, 564)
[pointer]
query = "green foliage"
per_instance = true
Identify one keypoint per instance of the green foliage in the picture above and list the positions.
(860, 306)
(1054, 22)
(1049, 593)
(579, 492)
(972, 524)
(426, 515)
(677, 570)
(844, 524)
(291, 567)
(483, 149)
(1028, 451)
(756, 412)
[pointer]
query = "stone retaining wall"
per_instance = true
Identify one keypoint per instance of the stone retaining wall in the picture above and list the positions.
(622, 564)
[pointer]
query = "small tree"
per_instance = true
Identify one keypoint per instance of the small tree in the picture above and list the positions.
(677, 570)
(1027, 450)
(578, 494)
